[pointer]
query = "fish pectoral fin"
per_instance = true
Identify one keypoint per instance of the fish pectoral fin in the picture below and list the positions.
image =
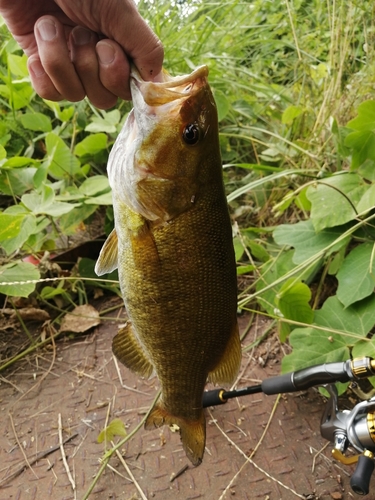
(226, 371)
(129, 352)
(192, 432)
(108, 257)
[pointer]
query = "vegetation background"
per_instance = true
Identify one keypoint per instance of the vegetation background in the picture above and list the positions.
(293, 82)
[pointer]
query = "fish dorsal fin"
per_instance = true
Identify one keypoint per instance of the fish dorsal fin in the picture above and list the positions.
(108, 257)
(127, 349)
(226, 371)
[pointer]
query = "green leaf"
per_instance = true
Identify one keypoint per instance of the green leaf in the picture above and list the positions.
(290, 113)
(36, 122)
(334, 200)
(222, 104)
(17, 181)
(37, 202)
(367, 202)
(94, 185)
(293, 302)
(306, 241)
(101, 199)
(43, 202)
(356, 276)
(27, 228)
(61, 162)
(18, 65)
(108, 124)
(13, 277)
(366, 117)
(363, 144)
(115, 428)
(91, 144)
(10, 226)
(69, 222)
(313, 346)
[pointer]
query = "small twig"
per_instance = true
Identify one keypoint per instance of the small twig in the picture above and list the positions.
(40, 455)
(179, 473)
(126, 467)
(20, 446)
(317, 454)
(71, 480)
(122, 383)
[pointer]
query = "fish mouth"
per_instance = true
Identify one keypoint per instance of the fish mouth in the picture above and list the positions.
(169, 89)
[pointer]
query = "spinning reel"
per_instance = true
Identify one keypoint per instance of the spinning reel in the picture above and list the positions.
(355, 428)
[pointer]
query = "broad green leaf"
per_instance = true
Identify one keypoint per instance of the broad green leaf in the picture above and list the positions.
(366, 117)
(356, 276)
(363, 145)
(3, 153)
(313, 346)
(70, 221)
(61, 162)
(94, 185)
(36, 122)
(48, 292)
(18, 65)
(18, 162)
(334, 200)
(63, 114)
(293, 302)
(13, 277)
(367, 202)
(222, 104)
(10, 226)
(115, 428)
(43, 202)
(38, 202)
(17, 181)
(290, 113)
(101, 199)
(27, 228)
(306, 242)
(106, 124)
(91, 144)
(271, 271)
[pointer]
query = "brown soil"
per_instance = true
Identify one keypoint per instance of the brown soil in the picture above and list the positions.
(57, 401)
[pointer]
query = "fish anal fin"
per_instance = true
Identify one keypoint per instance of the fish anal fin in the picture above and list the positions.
(226, 370)
(192, 432)
(108, 257)
(129, 352)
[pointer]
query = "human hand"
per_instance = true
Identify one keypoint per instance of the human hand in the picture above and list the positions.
(83, 47)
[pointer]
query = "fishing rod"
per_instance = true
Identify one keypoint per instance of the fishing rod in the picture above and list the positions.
(355, 428)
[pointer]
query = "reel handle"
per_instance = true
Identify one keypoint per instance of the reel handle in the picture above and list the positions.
(360, 480)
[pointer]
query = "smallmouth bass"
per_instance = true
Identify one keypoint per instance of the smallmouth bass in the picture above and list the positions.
(172, 244)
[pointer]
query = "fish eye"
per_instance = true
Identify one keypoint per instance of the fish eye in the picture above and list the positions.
(191, 134)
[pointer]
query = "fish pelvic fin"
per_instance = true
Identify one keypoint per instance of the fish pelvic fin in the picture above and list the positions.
(108, 257)
(226, 371)
(192, 432)
(128, 350)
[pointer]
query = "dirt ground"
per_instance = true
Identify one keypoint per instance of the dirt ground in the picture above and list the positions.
(53, 406)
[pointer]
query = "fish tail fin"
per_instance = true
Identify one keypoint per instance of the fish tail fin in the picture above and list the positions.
(226, 370)
(192, 432)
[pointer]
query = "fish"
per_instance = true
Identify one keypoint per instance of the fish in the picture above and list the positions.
(172, 244)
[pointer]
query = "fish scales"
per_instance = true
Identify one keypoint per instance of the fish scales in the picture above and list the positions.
(172, 245)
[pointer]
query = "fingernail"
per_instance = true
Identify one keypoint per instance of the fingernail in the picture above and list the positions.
(81, 36)
(47, 30)
(35, 66)
(105, 52)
